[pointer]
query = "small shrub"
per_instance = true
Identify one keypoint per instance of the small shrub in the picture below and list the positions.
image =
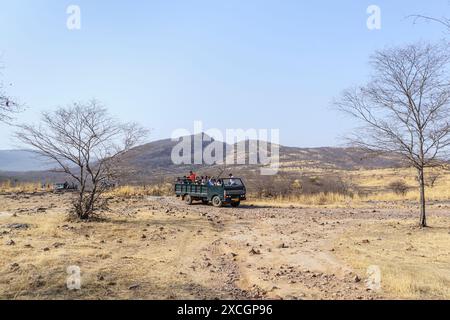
(398, 187)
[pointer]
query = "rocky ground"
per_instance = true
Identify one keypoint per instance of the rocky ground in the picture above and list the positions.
(160, 248)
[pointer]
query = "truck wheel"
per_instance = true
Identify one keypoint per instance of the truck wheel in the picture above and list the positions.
(235, 204)
(217, 202)
(188, 199)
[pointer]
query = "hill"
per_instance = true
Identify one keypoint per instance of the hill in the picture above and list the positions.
(152, 162)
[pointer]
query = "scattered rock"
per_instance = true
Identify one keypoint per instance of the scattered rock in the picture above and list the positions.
(46, 249)
(356, 279)
(134, 286)
(255, 251)
(10, 243)
(366, 241)
(57, 244)
(18, 226)
(15, 267)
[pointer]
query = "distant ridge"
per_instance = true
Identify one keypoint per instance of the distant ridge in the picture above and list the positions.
(152, 162)
(23, 160)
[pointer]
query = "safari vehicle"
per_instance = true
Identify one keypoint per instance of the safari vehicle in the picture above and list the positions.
(64, 187)
(231, 191)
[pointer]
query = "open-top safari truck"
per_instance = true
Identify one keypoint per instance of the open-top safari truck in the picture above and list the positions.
(230, 191)
(64, 187)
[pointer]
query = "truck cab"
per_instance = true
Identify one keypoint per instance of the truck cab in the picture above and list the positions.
(230, 191)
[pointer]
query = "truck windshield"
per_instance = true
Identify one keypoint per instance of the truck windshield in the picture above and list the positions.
(235, 182)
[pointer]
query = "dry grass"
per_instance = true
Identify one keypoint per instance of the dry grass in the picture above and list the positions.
(134, 191)
(24, 187)
(318, 199)
(368, 186)
(116, 261)
(414, 262)
(139, 243)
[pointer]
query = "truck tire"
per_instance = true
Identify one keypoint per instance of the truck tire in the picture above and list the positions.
(217, 202)
(235, 204)
(188, 199)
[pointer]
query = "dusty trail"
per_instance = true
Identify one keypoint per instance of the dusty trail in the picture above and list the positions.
(161, 248)
(278, 253)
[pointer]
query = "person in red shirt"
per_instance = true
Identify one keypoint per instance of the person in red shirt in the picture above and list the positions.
(192, 176)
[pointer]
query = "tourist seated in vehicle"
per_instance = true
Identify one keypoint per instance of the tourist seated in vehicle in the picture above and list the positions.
(192, 176)
(232, 182)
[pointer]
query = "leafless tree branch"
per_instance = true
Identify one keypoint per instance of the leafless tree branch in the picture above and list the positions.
(87, 144)
(405, 108)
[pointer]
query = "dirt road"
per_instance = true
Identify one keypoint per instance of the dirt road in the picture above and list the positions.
(158, 247)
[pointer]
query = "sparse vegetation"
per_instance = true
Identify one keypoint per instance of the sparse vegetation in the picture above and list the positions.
(399, 187)
(87, 143)
(404, 109)
(136, 191)
(413, 262)
(25, 187)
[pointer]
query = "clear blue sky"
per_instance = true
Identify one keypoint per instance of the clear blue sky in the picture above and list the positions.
(231, 64)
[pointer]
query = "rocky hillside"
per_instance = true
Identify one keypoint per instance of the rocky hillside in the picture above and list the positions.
(152, 162)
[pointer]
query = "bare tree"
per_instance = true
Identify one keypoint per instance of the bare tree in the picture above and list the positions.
(87, 144)
(443, 21)
(432, 178)
(405, 108)
(8, 106)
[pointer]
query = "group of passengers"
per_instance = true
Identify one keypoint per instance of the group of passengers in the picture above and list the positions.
(192, 178)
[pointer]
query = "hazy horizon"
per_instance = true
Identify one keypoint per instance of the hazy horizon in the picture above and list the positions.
(258, 64)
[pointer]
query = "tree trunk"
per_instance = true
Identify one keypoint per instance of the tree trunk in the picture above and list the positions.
(423, 217)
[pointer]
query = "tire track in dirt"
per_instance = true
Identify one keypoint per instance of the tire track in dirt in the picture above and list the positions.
(226, 271)
(279, 253)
